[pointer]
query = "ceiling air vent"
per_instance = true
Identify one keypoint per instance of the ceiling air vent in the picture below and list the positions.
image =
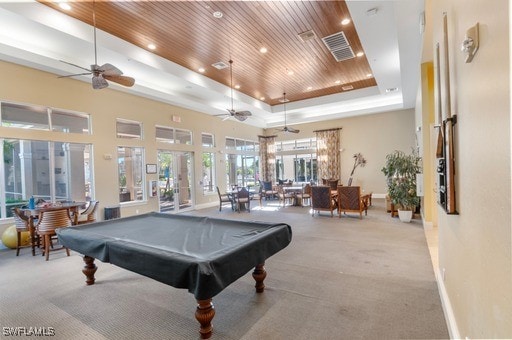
(308, 35)
(220, 65)
(347, 87)
(338, 45)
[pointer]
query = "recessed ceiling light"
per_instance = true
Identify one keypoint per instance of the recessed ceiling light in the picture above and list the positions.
(337, 82)
(360, 54)
(310, 88)
(218, 14)
(237, 86)
(151, 46)
(289, 72)
(65, 6)
(201, 69)
(369, 75)
(263, 49)
(262, 98)
(345, 21)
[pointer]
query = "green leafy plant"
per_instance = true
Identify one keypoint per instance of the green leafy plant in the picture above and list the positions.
(400, 171)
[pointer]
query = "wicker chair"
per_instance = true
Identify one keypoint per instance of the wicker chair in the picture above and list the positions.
(48, 222)
(321, 199)
(89, 214)
(22, 223)
(349, 200)
(224, 198)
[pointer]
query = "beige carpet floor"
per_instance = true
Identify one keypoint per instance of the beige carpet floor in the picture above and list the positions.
(339, 279)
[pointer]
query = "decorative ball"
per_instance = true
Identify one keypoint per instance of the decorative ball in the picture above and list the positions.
(10, 238)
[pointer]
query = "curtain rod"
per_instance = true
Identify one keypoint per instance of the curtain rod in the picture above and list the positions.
(267, 136)
(333, 129)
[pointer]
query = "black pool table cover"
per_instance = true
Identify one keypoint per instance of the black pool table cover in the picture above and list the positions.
(201, 254)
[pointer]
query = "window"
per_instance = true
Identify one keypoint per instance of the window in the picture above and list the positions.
(171, 135)
(207, 140)
(296, 160)
(208, 173)
(128, 129)
(130, 164)
(52, 171)
(43, 118)
(242, 162)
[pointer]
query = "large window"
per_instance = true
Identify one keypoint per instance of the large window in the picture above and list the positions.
(128, 129)
(43, 118)
(242, 162)
(52, 171)
(173, 136)
(131, 180)
(296, 160)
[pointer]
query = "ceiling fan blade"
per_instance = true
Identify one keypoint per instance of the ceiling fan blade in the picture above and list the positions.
(83, 68)
(109, 70)
(122, 80)
(226, 118)
(243, 113)
(76, 74)
(240, 118)
(292, 130)
(98, 82)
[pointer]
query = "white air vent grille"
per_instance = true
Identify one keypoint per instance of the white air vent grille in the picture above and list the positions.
(220, 65)
(347, 87)
(338, 45)
(308, 35)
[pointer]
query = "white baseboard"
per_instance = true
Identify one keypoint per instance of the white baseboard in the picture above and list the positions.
(447, 307)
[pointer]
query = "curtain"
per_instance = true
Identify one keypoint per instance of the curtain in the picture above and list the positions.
(328, 154)
(268, 158)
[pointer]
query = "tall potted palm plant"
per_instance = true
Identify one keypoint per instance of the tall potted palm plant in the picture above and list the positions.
(400, 171)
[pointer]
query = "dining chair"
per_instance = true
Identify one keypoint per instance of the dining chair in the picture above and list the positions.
(22, 223)
(243, 198)
(322, 199)
(305, 194)
(89, 214)
(284, 196)
(349, 200)
(224, 198)
(268, 190)
(48, 222)
(257, 195)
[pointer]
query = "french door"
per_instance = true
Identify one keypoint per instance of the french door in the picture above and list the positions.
(175, 181)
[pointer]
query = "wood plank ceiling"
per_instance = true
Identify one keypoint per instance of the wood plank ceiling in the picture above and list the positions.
(188, 33)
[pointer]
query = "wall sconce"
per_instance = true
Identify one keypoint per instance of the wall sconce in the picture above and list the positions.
(470, 43)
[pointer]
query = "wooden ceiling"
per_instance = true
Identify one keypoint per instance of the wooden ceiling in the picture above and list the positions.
(187, 33)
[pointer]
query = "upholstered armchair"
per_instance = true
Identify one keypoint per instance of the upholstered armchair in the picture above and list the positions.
(284, 196)
(321, 199)
(349, 200)
(224, 198)
(243, 198)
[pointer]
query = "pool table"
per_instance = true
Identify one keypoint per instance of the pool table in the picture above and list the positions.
(201, 254)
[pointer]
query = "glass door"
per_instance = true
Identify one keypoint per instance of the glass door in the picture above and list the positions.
(175, 181)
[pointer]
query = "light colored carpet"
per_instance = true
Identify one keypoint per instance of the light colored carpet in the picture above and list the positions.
(338, 279)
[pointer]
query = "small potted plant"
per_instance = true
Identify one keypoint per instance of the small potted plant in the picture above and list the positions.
(400, 171)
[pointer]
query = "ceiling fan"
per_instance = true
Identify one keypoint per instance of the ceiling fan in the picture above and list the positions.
(239, 115)
(286, 128)
(100, 74)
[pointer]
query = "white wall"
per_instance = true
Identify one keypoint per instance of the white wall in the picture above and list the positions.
(475, 246)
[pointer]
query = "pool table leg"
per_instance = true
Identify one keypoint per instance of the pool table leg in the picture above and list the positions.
(204, 314)
(259, 274)
(89, 269)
